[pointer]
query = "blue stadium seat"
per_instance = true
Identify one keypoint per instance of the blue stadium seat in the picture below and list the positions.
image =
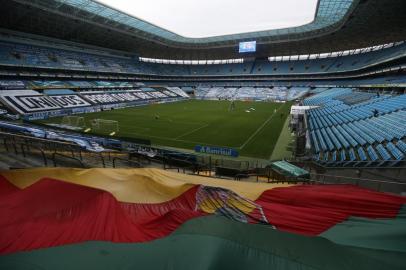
(314, 141)
(351, 156)
(343, 156)
(373, 156)
(385, 156)
(361, 154)
(402, 146)
(329, 142)
(396, 153)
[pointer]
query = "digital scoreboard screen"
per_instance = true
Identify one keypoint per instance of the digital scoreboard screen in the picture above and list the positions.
(249, 46)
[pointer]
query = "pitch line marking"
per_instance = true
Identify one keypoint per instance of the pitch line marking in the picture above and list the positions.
(192, 131)
(259, 129)
(280, 134)
(177, 140)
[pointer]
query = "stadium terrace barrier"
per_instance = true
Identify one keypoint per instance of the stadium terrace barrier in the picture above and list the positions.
(62, 153)
(169, 158)
(141, 148)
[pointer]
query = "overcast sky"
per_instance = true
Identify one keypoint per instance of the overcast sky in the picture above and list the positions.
(205, 18)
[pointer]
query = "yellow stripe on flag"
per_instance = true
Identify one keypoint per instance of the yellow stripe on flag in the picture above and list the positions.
(146, 185)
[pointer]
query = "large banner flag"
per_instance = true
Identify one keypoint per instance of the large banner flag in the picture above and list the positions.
(61, 218)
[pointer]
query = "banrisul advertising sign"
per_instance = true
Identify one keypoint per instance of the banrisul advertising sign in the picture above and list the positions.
(214, 150)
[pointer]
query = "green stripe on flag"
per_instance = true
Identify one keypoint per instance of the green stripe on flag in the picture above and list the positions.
(208, 243)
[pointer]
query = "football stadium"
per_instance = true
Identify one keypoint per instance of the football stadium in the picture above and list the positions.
(157, 134)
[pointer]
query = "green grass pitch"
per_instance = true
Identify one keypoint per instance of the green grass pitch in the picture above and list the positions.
(188, 123)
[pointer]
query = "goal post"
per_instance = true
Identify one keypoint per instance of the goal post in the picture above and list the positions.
(73, 122)
(105, 126)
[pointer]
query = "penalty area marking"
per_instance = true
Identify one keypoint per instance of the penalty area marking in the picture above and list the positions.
(178, 140)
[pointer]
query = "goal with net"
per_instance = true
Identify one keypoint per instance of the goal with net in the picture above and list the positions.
(105, 126)
(73, 122)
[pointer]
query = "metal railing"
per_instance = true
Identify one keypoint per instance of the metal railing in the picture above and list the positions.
(28, 149)
(378, 164)
(30, 146)
(136, 163)
(54, 155)
(61, 150)
(379, 185)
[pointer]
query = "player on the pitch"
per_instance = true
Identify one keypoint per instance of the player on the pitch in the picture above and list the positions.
(232, 106)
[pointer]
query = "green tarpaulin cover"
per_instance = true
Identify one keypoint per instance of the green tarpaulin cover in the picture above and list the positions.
(289, 169)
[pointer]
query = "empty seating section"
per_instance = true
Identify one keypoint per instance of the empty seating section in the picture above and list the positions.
(315, 141)
(323, 65)
(330, 143)
(343, 155)
(354, 98)
(347, 136)
(64, 56)
(296, 92)
(372, 154)
(383, 152)
(396, 153)
(334, 116)
(221, 69)
(31, 55)
(402, 146)
(361, 154)
(321, 141)
(351, 153)
(255, 93)
(326, 98)
(178, 91)
(368, 129)
(340, 137)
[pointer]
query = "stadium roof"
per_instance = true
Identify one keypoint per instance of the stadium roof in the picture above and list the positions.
(201, 19)
(329, 12)
(338, 25)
